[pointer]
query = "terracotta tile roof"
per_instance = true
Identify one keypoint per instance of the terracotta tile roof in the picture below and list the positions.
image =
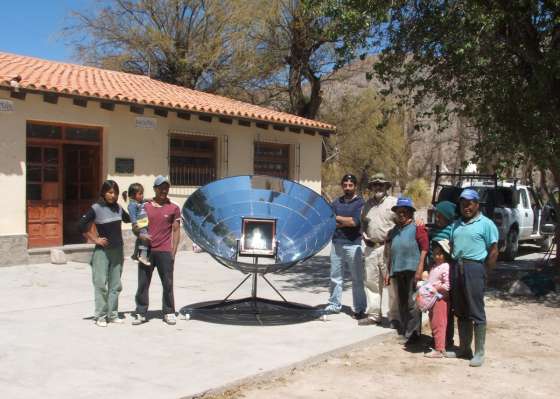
(93, 82)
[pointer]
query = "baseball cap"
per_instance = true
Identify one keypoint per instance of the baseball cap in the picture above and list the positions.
(349, 177)
(404, 202)
(160, 180)
(469, 194)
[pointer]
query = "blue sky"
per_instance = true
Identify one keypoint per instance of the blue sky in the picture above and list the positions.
(31, 27)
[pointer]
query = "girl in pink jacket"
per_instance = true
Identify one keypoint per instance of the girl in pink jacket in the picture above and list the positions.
(439, 281)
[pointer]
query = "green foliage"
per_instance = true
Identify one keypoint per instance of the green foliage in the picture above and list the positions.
(370, 138)
(274, 52)
(494, 63)
(419, 191)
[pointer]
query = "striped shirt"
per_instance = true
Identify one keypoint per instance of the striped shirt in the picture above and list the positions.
(107, 219)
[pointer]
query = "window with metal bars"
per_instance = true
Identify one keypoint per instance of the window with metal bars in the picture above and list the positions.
(192, 159)
(272, 159)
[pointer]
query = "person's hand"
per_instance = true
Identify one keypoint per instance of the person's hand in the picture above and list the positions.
(418, 276)
(101, 241)
(386, 279)
(146, 238)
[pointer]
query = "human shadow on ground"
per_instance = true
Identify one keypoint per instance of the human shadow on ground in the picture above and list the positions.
(128, 315)
(312, 275)
(420, 345)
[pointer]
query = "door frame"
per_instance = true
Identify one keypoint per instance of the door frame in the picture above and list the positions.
(59, 143)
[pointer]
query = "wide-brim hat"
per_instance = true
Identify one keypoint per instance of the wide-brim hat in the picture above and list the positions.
(444, 245)
(379, 178)
(404, 202)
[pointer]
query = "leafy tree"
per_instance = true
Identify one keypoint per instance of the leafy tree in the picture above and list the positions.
(494, 63)
(369, 139)
(271, 52)
(297, 49)
(192, 43)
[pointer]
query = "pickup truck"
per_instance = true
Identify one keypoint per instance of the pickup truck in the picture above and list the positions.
(516, 209)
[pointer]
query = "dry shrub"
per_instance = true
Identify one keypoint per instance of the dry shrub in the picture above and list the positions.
(419, 191)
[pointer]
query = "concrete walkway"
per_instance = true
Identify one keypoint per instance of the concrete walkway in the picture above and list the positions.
(50, 348)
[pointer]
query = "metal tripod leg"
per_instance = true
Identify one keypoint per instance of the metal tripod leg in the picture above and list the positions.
(236, 288)
(274, 288)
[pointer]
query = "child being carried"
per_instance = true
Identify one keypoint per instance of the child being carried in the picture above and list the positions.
(139, 220)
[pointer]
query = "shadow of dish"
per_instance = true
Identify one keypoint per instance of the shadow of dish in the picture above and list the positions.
(252, 312)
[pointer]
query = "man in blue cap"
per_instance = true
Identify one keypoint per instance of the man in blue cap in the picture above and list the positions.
(164, 231)
(474, 238)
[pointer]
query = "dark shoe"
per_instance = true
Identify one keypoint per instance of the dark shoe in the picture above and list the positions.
(465, 328)
(369, 321)
(479, 342)
(413, 339)
(360, 316)
(394, 324)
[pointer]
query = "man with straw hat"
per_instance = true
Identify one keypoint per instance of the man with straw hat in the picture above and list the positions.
(377, 219)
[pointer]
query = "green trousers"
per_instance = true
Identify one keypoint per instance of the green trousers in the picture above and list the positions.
(106, 268)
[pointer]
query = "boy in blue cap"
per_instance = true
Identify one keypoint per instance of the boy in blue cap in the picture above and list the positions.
(474, 239)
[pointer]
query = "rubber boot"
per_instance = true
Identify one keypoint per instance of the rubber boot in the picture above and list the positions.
(479, 341)
(465, 328)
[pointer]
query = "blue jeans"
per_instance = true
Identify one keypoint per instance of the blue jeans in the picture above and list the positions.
(347, 254)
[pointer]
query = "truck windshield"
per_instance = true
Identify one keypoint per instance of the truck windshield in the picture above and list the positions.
(496, 196)
(489, 196)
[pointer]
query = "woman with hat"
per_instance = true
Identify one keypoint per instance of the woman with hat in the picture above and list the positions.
(408, 249)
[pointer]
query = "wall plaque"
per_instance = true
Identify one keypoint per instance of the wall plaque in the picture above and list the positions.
(6, 106)
(124, 165)
(143, 122)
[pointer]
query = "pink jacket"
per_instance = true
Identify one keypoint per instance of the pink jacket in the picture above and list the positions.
(439, 278)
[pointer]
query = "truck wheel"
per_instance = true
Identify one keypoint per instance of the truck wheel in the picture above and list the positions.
(512, 245)
(545, 243)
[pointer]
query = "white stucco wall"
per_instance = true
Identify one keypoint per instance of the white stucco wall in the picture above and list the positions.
(148, 147)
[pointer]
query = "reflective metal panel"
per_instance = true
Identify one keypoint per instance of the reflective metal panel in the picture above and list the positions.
(213, 216)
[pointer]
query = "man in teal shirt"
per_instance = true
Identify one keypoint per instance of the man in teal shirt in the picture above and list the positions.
(474, 238)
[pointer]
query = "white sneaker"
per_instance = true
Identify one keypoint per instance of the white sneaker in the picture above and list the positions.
(331, 309)
(170, 319)
(139, 319)
(116, 320)
(144, 260)
(101, 322)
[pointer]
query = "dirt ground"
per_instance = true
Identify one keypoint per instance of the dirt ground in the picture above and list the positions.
(522, 361)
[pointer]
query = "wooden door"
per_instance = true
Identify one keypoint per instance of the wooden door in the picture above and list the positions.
(44, 199)
(81, 185)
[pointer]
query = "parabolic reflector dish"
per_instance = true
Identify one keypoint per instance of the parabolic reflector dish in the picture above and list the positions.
(213, 218)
